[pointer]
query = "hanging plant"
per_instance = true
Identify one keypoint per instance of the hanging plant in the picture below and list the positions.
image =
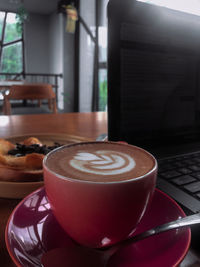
(72, 17)
(68, 7)
(21, 16)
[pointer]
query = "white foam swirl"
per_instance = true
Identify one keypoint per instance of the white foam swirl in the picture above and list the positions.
(103, 162)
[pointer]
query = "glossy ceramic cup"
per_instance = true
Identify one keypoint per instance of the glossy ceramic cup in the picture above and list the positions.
(98, 214)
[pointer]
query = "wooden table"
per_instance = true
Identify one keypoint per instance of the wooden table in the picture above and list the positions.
(89, 125)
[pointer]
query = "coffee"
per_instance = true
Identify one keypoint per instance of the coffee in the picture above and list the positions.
(96, 183)
(100, 161)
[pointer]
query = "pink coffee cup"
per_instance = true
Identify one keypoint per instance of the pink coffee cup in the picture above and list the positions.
(92, 211)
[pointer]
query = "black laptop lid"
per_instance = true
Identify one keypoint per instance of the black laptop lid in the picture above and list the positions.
(153, 74)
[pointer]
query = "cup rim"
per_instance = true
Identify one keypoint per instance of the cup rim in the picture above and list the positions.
(99, 182)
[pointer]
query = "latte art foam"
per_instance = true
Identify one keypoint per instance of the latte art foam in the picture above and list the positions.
(100, 161)
(103, 162)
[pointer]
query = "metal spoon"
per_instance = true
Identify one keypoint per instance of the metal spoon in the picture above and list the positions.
(77, 255)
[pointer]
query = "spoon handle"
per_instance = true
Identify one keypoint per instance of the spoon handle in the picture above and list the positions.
(182, 222)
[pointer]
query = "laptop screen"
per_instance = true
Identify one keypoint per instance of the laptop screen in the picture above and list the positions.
(153, 74)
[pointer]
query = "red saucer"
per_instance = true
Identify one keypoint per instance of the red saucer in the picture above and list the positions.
(32, 230)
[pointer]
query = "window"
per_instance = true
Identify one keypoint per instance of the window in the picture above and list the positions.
(102, 68)
(11, 45)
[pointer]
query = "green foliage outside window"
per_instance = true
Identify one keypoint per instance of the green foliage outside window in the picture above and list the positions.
(11, 34)
(102, 95)
(11, 58)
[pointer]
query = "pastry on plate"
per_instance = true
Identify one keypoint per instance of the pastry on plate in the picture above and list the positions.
(22, 162)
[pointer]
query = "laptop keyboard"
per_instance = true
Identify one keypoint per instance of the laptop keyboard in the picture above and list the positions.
(181, 174)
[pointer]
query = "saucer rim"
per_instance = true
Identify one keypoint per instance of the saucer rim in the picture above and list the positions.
(18, 264)
(188, 229)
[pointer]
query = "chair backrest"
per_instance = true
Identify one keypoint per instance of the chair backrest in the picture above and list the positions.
(31, 91)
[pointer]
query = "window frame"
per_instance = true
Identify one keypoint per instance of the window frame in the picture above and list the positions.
(6, 44)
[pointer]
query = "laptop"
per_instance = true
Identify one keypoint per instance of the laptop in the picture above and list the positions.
(154, 91)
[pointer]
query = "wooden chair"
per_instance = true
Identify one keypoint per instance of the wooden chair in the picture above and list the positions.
(30, 92)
